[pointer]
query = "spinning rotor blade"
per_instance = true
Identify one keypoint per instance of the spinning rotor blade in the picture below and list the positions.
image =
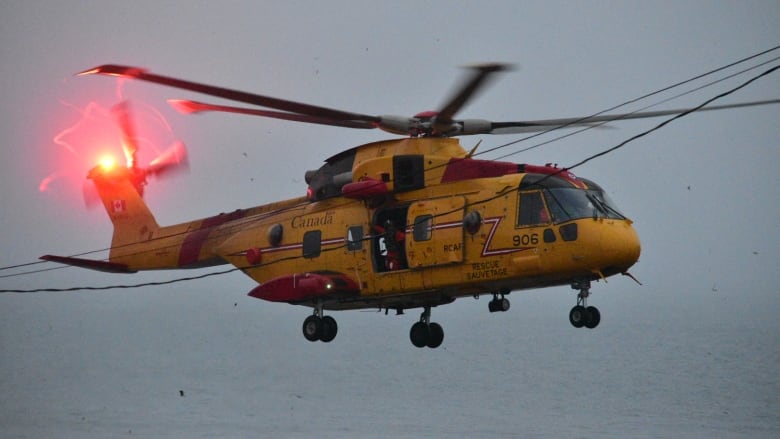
(121, 112)
(297, 111)
(189, 107)
(424, 124)
(91, 196)
(546, 124)
(234, 95)
(481, 74)
(173, 159)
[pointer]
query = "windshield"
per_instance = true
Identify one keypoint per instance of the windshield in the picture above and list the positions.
(569, 203)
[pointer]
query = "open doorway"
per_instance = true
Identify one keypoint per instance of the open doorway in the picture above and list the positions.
(389, 235)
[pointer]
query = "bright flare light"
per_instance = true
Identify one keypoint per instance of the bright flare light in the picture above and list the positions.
(94, 129)
(107, 162)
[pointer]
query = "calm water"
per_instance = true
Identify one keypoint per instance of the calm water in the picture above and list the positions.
(112, 365)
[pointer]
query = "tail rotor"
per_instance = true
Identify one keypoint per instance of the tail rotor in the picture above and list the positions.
(170, 162)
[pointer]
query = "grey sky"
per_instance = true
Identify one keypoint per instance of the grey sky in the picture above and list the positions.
(703, 192)
(574, 59)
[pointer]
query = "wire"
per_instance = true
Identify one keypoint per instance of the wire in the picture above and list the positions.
(597, 125)
(23, 273)
(263, 215)
(227, 231)
(631, 101)
(617, 117)
(255, 218)
(22, 265)
(114, 287)
(660, 125)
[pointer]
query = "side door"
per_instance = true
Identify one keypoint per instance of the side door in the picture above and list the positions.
(392, 272)
(532, 231)
(435, 232)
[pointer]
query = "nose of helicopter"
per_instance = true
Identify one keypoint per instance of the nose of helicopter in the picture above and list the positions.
(620, 246)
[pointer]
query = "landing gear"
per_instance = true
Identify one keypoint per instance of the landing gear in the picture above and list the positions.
(582, 314)
(498, 305)
(426, 333)
(317, 328)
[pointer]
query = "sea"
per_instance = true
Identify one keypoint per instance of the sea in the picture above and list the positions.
(205, 362)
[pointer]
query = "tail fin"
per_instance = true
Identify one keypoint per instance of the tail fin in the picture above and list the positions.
(121, 189)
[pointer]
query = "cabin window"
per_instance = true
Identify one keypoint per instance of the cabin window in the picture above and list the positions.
(408, 172)
(312, 244)
(531, 210)
(355, 238)
(275, 234)
(423, 226)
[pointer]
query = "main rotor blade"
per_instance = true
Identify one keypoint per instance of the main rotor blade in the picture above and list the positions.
(480, 75)
(234, 95)
(546, 124)
(189, 107)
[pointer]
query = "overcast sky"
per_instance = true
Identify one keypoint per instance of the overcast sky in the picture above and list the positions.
(703, 191)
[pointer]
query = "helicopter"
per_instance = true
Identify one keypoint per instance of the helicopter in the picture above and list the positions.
(413, 222)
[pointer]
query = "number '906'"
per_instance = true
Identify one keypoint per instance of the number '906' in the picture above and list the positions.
(527, 239)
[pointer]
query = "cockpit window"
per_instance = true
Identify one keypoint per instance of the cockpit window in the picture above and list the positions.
(531, 210)
(567, 204)
(565, 201)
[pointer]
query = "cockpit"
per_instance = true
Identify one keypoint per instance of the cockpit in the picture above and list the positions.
(548, 199)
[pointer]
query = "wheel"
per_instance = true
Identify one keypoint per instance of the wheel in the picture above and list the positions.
(420, 334)
(497, 305)
(312, 328)
(435, 335)
(577, 316)
(593, 317)
(329, 329)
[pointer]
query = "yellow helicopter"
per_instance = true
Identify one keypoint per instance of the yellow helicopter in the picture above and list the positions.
(412, 222)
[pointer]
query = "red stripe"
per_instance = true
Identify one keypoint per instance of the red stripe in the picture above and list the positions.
(467, 169)
(193, 243)
(264, 250)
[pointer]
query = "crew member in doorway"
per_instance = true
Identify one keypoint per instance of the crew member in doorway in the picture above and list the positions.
(394, 243)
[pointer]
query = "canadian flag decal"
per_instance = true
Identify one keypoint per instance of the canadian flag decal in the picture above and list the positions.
(118, 206)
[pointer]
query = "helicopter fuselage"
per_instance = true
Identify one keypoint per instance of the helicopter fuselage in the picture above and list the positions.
(463, 237)
(398, 224)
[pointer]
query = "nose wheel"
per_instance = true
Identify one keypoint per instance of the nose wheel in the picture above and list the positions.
(426, 333)
(583, 315)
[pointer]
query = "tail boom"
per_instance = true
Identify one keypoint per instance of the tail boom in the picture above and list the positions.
(138, 242)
